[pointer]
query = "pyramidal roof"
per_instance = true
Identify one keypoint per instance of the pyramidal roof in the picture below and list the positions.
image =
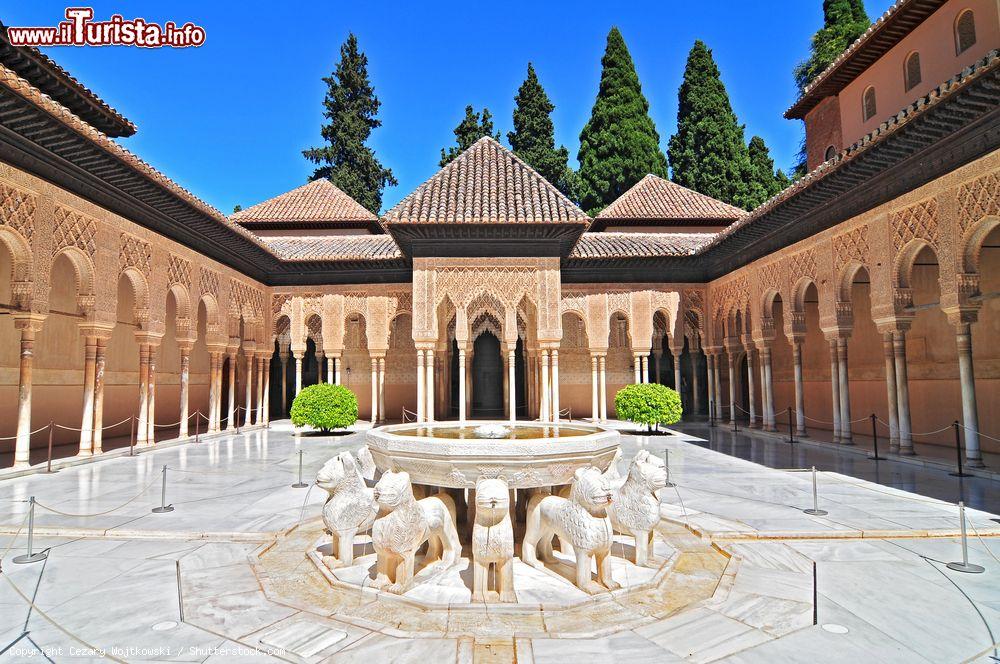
(318, 202)
(486, 184)
(656, 199)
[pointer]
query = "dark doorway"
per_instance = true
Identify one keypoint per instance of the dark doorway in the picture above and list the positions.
(487, 377)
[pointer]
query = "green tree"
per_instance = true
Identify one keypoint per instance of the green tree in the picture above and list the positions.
(469, 130)
(351, 110)
(237, 208)
(764, 182)
(325, 407)
(648, 403)
(707, 154)
(843, 22)
(619, 145)
(533, 138)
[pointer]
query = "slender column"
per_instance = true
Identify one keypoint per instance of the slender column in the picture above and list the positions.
(151, 398)
(381, 388)
(595, 410)
(710, 374)
(546, 413)
(752, 387)
(329, 370)
(970, 414)
(265, 404)
(429, 359)
(902, 393)
(211, 390)
(374, 365)
(231, 419)
(800, 408)
(298, 372)
(28, 325)
(732, 387)
(320, 367)
(100, 362)
(890, 388)
(768, 387)
(695, 382)
(87, 422)
(677, 373)
(554, 358)
(835, 388)
(644, 360)
(603, 396)
(248, 418)
(511, 366)
(461, 384)
(336, 370)
(185, 387)
(846, 435)
(717, 382)
(469, 387)
(504, 373)
(421, 384)
(141, 433)
(261, 381)
(637, 367)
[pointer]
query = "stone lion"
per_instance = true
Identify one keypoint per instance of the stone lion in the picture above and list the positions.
(408, 523)
(580, 520)
(635, 508)
(349, 509)
(493, 540)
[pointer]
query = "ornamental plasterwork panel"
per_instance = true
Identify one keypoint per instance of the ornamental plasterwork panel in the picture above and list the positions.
(509, 283)
(921, 220)
(209, 282)
(802, 264)
(850, 247)
(135, 253)
(74, 229)
(179, 271)
(17, 210)
(977, 199)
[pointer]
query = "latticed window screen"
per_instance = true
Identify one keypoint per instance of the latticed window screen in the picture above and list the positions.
(868, 104)
(965, 31)
(912, 73)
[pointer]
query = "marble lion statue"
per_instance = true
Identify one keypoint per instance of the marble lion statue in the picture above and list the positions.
(408, 523)
(580, 520)
(635, 507)
(349, 509)
(493, 540)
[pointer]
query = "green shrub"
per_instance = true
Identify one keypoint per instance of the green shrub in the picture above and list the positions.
(649, 404)
(325, 407)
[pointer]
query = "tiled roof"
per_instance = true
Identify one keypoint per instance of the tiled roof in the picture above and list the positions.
(986, 64)
(486, 184)
(611, 245)
(316, 202)
(653, 198)
(334, 247)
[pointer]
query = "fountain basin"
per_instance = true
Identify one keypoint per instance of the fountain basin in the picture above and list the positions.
(449, 455)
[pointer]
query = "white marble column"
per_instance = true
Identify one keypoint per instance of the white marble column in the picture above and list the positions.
(554, 358)
(461, 384)
(677, 374)
(767, 386)
(603, 384)
(141, 433)
(511, 367)
(298, 372)
(29, 325)
(732, 386)
(151, 394)
(284, 382)
(381, 389)
(710, 375)
(902, 393)
(250, 364)
(100, 363)
(336, 370)
(595, 410)
(752, 387)
(637, 367)
(185, 388)
(231, 406)
(421, 385)
(892, 401)
(546, 411)
(320, 366)
(266, 404)
(846, 435)
(835, 388)
(644, 360)
(970, 412)
(800, 408)
(262, 366)
(330, 375)
(717, 382)
(429, 359)
(87, 420)
(695, 382)
(374, 365)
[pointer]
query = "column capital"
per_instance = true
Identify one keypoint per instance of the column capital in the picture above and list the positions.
(961, 316)
(249, 347)
(216, 348)
(96, 330)
(150, 338)
(837, 332)
(894, 324)
(29, 321)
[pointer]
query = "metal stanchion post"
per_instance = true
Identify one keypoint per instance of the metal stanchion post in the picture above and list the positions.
(791, 435)
(131, 438)
(300, 484)
(965, 565)
(197, 425)
(236, 418)
(31, 556)
(163, 496)
(815, 511)
(875, 457)
(958, 451)
(48, 464)
(666, 465)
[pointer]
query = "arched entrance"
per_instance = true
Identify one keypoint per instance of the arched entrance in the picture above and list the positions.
(487, 377)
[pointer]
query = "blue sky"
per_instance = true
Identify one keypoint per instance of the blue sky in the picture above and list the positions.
(229, 120)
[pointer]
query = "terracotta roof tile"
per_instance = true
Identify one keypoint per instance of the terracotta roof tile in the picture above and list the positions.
(653, 198)
(334, 247)
(316, 202)
(639, 245)
(486, 184)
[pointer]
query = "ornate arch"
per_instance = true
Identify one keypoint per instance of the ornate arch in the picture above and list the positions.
(972, 242)
(21, 262)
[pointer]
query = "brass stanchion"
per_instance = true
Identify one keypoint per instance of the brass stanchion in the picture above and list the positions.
(30, 556)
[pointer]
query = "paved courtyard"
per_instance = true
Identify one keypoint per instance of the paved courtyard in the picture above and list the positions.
(225, 576)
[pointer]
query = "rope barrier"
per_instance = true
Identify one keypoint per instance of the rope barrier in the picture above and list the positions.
(979, 433)
(30, 433)
(161, 426)
(931, 433)
(10, 545)
(70, 514)
(112, 426)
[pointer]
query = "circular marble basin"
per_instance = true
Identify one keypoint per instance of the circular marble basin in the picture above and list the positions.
(453, 455)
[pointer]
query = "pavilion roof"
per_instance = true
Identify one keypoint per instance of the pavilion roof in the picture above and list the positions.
(657, 199)
(612, 245)
(319, 202)
(334, 247)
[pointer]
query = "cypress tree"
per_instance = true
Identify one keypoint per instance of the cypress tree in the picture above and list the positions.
(468, 131)
(764, 182)
(351, 110)
(707, 154)
(619, 145)
(533, 138)
(843, 22)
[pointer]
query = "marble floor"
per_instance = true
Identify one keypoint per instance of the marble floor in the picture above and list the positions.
(124, 584)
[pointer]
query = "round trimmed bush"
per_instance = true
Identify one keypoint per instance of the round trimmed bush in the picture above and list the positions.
(648, 403)
(325, 407)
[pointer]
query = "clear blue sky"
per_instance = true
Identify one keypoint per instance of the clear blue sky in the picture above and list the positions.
(229, 120)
